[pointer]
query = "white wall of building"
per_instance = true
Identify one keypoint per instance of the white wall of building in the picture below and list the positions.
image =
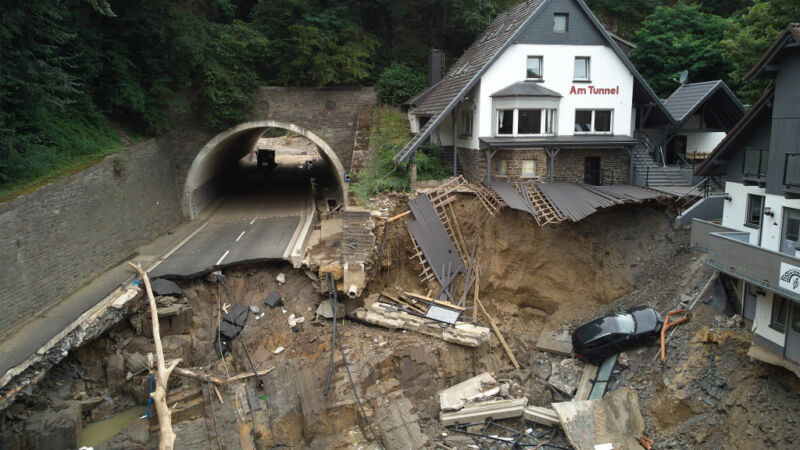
(733, 215)
(762, 318)
(702, 142)
(606, 71)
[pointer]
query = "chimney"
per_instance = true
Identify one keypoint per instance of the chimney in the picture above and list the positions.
(435, 66)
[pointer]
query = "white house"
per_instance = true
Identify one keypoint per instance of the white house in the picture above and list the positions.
(545, 92)
(758, 241)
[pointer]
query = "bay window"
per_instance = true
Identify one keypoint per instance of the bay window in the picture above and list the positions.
(593, 121)
(526, 121)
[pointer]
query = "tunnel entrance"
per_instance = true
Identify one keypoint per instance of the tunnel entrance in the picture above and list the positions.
(228, 168)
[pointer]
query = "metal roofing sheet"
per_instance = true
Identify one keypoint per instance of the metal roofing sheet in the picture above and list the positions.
(510, 195)
(577, 201)
(433, 240)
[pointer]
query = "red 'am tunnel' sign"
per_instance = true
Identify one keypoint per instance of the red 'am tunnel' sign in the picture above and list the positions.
(591, 90)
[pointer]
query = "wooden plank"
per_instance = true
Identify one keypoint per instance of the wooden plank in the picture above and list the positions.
(499, 335)
(433, 300)
(586, 382)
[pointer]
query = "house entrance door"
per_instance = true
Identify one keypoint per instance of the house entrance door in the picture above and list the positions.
(792, 348)
(790, 237)
(591, 170)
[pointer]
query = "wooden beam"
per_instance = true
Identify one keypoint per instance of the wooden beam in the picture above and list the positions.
(499, 335)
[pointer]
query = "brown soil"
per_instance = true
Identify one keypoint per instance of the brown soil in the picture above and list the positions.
(706, 394)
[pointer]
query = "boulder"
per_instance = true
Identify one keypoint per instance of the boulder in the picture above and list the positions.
(115, 367)
(55, 429)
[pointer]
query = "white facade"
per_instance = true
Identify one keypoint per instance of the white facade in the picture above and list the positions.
(735, 211)
(607, 72)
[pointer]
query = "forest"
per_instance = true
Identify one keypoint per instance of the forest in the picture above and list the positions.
(82, 78)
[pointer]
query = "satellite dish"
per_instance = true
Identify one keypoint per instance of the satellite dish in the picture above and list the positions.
(684, 76)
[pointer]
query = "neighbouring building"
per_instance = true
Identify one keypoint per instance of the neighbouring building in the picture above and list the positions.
(758, 242)
(544, 93)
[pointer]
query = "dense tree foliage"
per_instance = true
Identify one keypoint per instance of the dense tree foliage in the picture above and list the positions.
(674, 38)
(79, 76)
(750, 33)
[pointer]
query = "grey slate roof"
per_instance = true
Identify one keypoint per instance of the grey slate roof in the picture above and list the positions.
(498, 36)
(689, 97)
(526, 89)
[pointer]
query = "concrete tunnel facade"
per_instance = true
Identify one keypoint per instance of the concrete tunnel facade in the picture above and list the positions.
(201, 189)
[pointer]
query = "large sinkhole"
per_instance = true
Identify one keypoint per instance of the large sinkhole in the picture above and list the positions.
(237, 168)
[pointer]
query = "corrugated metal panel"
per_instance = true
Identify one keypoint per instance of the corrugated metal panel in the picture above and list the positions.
(433, 240)
(512, 198)
(580, 31)
(578, 201)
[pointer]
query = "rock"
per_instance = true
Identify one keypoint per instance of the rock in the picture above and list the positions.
(55, 429)
(566, 375)
(278, 350)
(294, 321)
(135, 362)
(164, 287)
(136, 435)
(398, 424)
(324, 310)
(273, 299)
(281, 278)
(622, 359)
(179, 346)
(255, 309)
(476, 388)
(115, 367)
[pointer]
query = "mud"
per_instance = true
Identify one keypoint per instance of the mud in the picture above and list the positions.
(707, 394)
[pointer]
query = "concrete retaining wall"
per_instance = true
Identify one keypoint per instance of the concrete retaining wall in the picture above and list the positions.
(58, 238)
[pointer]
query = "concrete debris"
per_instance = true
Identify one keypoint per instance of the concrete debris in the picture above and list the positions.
(388, 316)
(281, 278)
(475, 388)
(565, 375)
(614, 419)
(399, 424)
(278, 350)
(294, 321)
(355, 279)
(273, 299)
(540, 415)
(324, 310)
(496, 409)
(124, 297)
(255, 309)
(55, 428)
(165, 288)
(558, 342)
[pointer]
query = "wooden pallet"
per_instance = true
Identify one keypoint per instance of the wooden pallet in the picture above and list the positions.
(547, 212)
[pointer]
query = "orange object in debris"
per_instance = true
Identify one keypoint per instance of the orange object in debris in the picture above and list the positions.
(668, 324)
(646, 442)
(392, 219)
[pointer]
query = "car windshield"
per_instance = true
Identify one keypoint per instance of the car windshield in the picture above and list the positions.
(619, 323)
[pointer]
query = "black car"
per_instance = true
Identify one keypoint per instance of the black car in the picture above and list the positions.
(605, 336)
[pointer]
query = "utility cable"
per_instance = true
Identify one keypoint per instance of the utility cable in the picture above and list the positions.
(333, 301)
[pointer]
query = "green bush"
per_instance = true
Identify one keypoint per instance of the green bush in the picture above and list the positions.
(398, 83)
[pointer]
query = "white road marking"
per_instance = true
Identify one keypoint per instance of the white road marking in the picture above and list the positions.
(240, 236)
(223, 257)
(251, 222)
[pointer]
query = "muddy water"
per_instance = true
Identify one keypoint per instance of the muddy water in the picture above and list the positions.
(101, 431)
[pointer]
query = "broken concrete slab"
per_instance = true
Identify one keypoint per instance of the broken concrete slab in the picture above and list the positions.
(541, 415)
(398, 424)
(558, 342)
(389, 316)
(475, 388)
(165, 288)
(615, 419)
(324, 310)
(565, 375)
(496, 409)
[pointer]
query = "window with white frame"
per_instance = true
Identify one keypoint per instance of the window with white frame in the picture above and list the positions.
(505, 121)
(581, 72)
(593, 121)
(537, 121)
(534, 68)
(529, 168)
(466, 123)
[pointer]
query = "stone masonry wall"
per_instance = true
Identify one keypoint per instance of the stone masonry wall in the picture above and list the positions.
(61, 236)
(569, 165)
(358, 240)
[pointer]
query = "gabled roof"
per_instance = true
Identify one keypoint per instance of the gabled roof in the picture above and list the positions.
(420, 97)
(790, 35)
(625, 46)
(761, 107)
(526, 89)
(688, 98)
(477, 59)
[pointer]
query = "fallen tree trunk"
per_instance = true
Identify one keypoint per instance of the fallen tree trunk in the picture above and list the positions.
(166, 437)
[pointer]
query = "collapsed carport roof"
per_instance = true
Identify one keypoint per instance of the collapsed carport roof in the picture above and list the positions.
(438, 101)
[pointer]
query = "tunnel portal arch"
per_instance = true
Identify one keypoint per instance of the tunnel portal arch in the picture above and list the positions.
(236, 142)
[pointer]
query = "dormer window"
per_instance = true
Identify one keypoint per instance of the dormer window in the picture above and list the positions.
(534, 68)
(560, 22)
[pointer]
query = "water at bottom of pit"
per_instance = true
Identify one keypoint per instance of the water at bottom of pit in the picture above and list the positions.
(102, 431)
